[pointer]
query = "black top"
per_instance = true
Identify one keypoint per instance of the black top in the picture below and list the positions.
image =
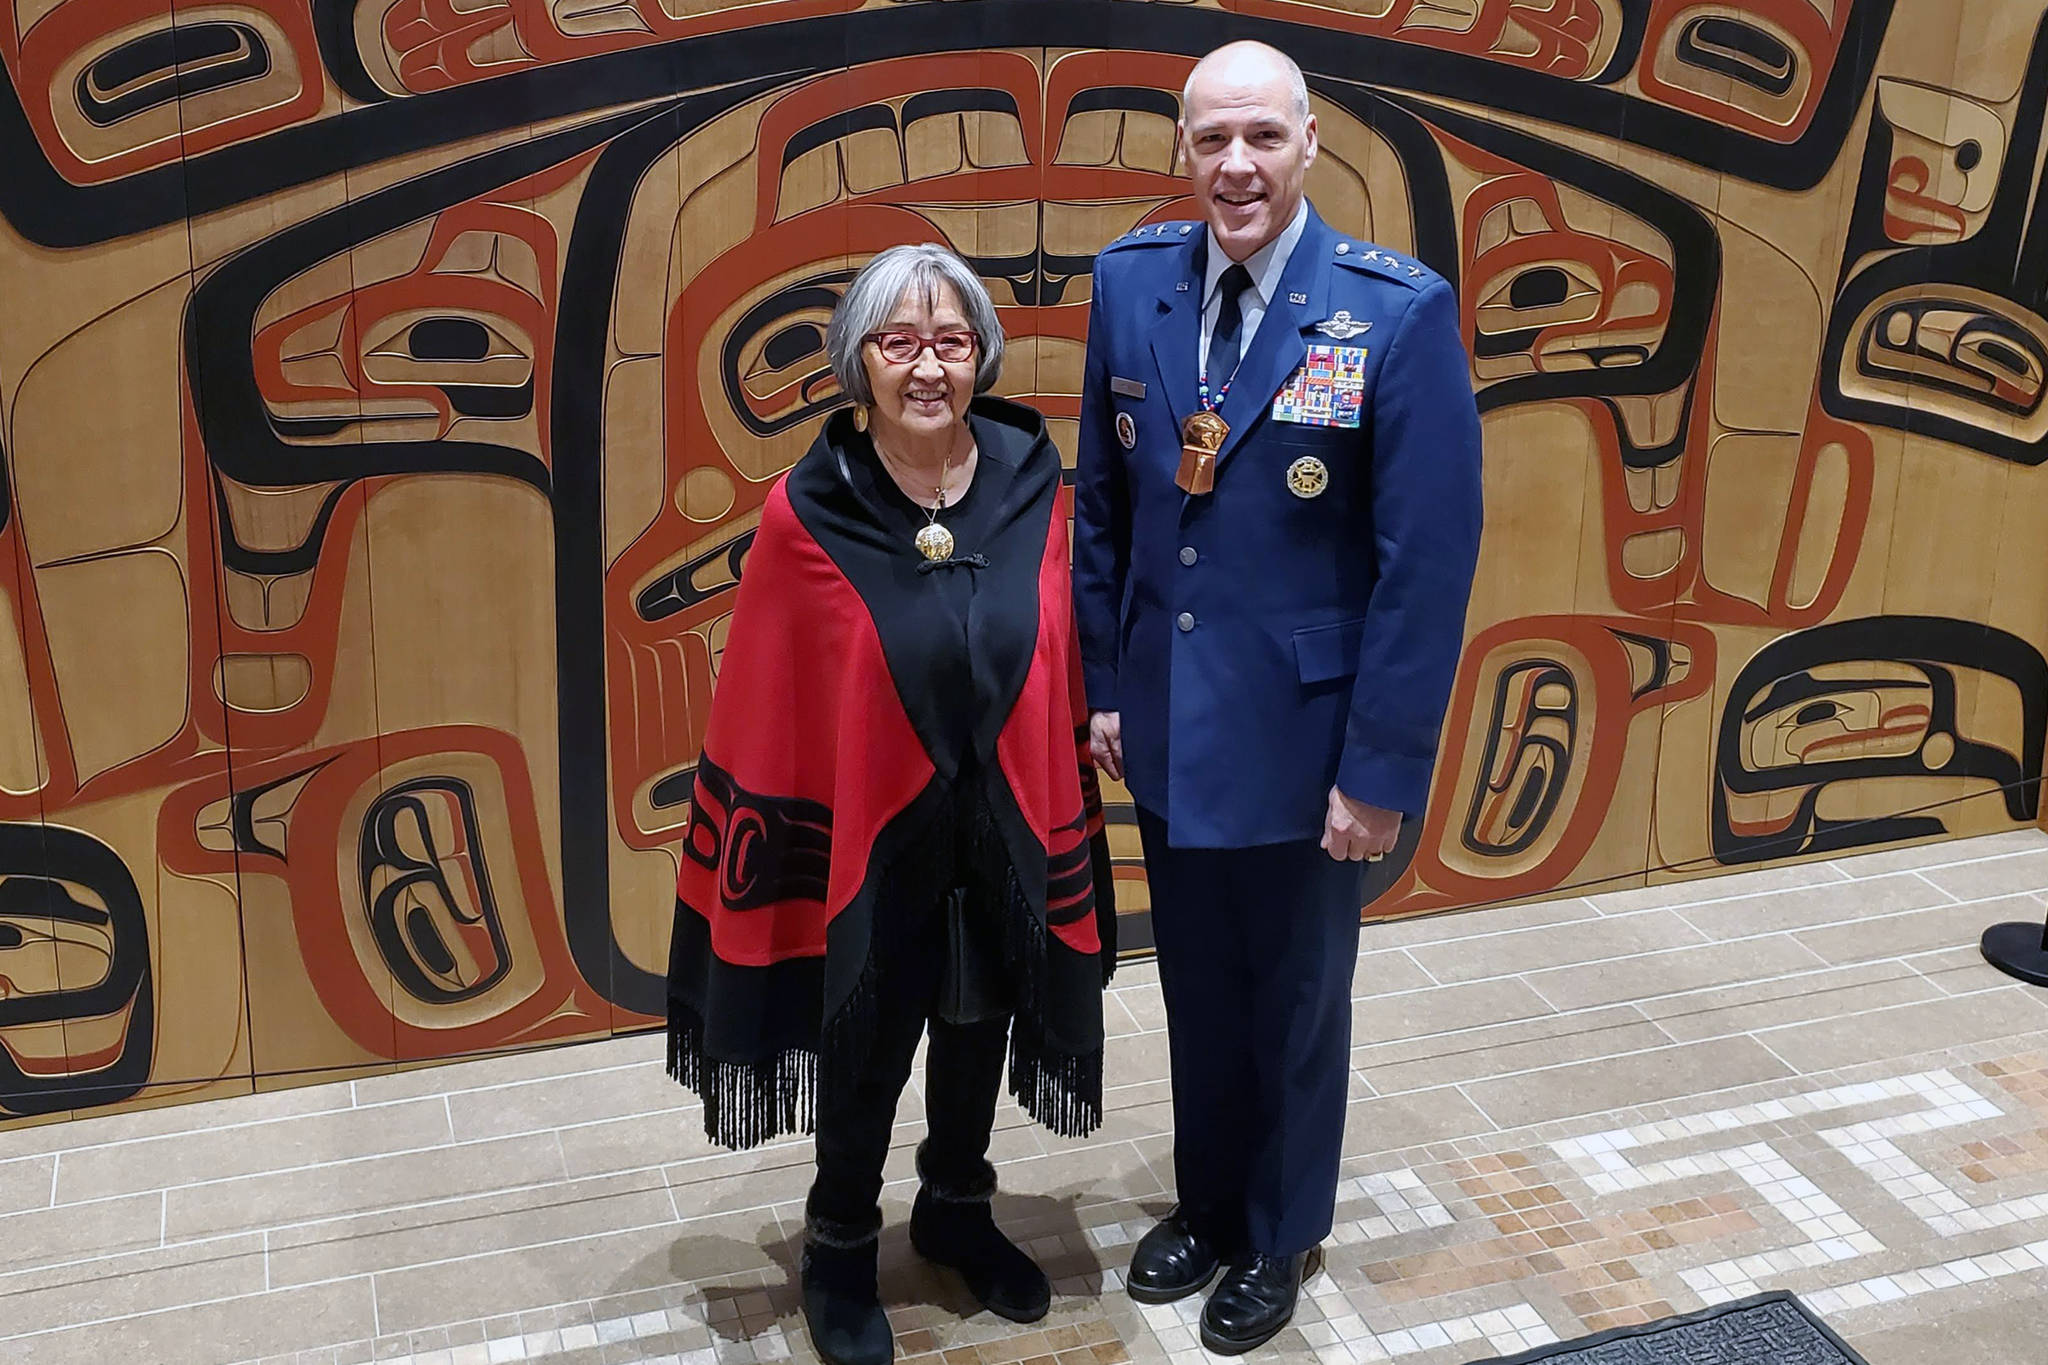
(943, 598)
(942, 629)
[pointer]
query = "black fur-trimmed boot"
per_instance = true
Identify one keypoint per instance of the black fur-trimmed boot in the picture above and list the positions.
(954, 1228)
(842, 1303)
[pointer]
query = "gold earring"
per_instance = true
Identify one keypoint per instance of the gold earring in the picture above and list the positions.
(860, 416)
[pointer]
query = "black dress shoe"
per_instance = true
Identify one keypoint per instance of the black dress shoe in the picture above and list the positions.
(1172, 1261)
(1255, 1300)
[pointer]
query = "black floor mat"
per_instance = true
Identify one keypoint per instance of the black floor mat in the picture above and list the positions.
(1768, 1329)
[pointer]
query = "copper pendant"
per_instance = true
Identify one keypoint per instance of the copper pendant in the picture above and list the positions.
(935, 542)
(1201, 436)
(1204, 431)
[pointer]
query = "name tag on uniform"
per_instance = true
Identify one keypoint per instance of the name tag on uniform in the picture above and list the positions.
(1327, 391)
(1128, 388)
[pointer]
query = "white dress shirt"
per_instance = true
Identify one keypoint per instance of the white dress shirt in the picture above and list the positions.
(1265, 266)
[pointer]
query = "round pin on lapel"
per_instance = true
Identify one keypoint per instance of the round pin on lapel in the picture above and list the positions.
(1127, 431)
(1307, 477)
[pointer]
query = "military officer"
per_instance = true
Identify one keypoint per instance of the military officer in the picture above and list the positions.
(1277, 518)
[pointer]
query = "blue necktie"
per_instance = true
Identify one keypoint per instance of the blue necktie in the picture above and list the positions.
(1224, 344)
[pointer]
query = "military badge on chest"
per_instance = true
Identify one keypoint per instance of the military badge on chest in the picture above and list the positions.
(1327, 391)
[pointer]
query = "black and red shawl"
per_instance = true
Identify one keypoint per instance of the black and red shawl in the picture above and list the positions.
(829, 761)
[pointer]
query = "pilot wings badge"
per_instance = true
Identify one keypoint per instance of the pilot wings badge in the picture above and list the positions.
(1341, 327)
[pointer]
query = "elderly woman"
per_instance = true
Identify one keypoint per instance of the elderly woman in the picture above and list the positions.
(894, 828)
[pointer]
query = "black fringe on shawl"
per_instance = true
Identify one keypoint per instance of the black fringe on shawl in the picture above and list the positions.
(748, 1103)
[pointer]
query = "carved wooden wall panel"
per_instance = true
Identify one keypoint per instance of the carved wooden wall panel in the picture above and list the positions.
(389, 390)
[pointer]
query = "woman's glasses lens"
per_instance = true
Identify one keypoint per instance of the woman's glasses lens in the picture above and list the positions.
(900, 348)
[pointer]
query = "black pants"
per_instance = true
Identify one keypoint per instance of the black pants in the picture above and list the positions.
(963, 1078)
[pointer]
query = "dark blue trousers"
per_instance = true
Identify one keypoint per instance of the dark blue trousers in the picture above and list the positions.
(1256, 948)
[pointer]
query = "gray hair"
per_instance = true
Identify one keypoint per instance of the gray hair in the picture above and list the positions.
(882, 285)
(1297, 85)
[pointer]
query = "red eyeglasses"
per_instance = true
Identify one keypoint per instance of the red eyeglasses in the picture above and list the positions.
(900, 347)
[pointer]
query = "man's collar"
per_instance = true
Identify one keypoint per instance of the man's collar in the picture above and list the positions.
(1266, 264)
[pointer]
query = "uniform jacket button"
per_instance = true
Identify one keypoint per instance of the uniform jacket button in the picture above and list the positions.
(1186, 621)
(1187, 554)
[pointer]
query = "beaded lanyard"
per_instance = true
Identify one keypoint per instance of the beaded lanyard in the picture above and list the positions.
(1202, 381)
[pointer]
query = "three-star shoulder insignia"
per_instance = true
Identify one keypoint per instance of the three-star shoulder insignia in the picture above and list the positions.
(1388, 265)
(1153, 234)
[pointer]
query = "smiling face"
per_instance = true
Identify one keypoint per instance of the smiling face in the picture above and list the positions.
(1246, 146)
(920, 401)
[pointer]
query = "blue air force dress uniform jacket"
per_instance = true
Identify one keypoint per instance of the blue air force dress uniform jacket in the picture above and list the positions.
(1296, 627)
(1299, 625)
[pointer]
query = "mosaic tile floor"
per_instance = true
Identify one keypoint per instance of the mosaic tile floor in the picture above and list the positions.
(1566, 1117)
(1876, 1188)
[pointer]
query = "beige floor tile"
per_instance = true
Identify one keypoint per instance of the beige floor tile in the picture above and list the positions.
(1144, 972)
(1452, 1059)
(1805, 907)
(642, 1140)
(1990, 1334)
(1904, 1030)
(1981, 976)
(1139, 1058)
(1721, 886)
(1150, 1091)
(1791, 1000)
(457, 1228)
(1530, 950)
(1383, 973)
(1916, 931)
(735, 1193)
(583, 1267)
(51, 1297)
(1681, 969)
(1124, 1125)
(1441, 1009)
(537, 1064)
(1381, 935)
(25, 1183)
(247, 1149)
(1961, 970)
(234, 1111)
(1144, 1004)
(1618, 1082)
(1948, 959)
(1969, 979)
(1095, 1175)
(2015, 872)
(52, 1236)
(1942, 852)
(577, 1097)
(211, 1333)
(1412, 1120)
(360, 1186)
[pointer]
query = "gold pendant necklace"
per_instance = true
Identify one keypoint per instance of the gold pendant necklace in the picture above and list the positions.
(934, 541)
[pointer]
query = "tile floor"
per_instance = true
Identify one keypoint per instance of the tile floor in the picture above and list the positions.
(1565, 1116)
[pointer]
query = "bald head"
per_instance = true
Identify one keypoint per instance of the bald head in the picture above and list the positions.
(1248, 139)
(1235, 66)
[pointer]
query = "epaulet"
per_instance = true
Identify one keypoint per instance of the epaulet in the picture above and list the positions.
(1153, 234)
(1377, 260)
